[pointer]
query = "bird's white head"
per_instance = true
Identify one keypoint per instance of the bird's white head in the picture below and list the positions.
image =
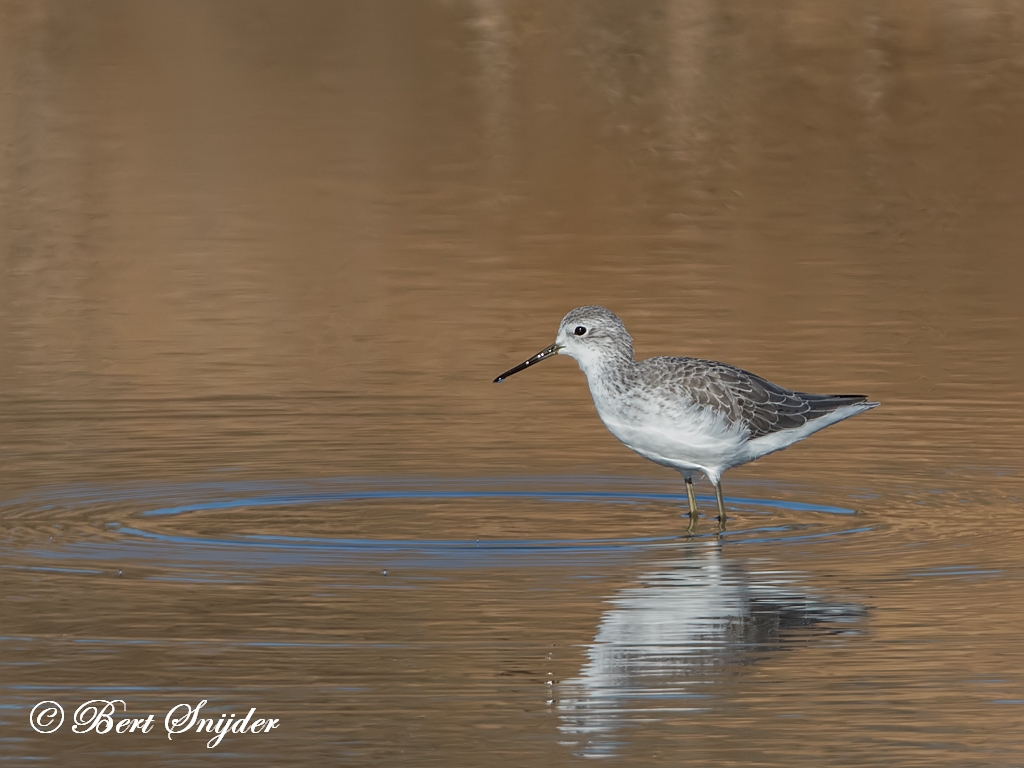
(591, 335)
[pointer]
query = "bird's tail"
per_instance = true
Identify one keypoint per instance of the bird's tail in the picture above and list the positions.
(820, 405)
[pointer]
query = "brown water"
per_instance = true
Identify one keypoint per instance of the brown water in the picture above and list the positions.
(259, 263)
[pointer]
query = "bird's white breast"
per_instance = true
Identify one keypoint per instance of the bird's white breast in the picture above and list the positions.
(668, 428)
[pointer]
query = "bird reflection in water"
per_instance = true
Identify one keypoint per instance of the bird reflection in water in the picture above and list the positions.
(660, 644)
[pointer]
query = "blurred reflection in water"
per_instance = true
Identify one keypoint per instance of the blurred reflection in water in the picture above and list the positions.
(661, 644)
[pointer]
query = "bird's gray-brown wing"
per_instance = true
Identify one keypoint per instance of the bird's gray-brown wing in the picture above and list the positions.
(742, 397)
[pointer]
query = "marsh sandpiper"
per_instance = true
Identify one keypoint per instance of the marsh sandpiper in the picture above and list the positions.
(684, 413)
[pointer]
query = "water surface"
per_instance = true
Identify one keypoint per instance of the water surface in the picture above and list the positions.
(259, 264)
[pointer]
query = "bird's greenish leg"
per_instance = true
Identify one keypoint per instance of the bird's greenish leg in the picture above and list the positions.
(721, 507)
(693, 505)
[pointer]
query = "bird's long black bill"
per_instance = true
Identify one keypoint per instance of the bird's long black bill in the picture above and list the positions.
(544, 354)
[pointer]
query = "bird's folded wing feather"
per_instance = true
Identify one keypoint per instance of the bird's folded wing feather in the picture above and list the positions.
(743, 398)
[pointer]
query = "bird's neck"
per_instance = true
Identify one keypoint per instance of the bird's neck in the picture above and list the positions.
(608, 373)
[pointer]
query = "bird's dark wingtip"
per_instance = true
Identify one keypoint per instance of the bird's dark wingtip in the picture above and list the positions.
(859, 400)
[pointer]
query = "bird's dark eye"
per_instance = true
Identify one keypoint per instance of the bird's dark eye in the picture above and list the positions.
(580, 330)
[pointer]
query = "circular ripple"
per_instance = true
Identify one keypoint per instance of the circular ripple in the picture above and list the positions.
(247, 524)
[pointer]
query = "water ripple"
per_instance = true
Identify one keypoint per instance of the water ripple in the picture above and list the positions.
(181, 525)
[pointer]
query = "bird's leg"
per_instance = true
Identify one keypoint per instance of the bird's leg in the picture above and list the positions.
(721, 507)
(693, 504)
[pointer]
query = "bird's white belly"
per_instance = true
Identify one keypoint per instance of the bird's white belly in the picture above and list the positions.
(701, 442)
